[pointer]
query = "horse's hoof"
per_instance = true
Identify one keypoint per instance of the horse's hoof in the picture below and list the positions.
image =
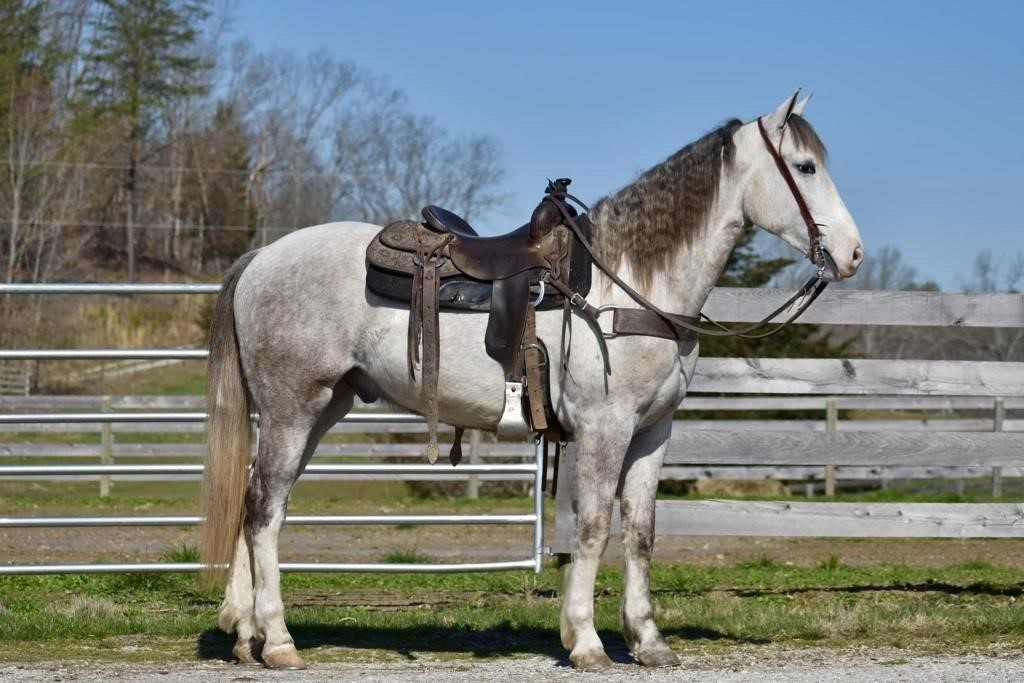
(246, 655)
(283, 658)
(591, 660)
(657, 658)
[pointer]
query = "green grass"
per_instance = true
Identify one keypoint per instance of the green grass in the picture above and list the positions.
(405, 556)
(701, 609)
(308, 497)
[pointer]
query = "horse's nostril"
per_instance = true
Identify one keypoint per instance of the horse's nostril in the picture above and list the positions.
(858, 256)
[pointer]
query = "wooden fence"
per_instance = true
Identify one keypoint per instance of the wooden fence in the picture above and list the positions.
(824, 449)
(15, 379)
(1000, 384)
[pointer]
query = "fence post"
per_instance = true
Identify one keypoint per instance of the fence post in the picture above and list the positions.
(831, 423)
(473, 481)
(998, 415)
(106, 448)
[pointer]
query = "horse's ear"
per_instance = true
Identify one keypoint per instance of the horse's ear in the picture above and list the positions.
(799, 107)
(777, 120)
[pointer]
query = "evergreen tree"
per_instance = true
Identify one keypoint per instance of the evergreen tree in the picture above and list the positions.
(141, 57)
(224, 194)
(746, 268)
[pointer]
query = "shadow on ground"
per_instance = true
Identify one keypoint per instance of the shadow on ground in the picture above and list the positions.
(409, 642)
(976, 588)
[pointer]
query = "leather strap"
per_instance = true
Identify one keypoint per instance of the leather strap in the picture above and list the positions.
(635, 321)
(534, 379)
(589, 313)
(431, 353)
(412, 350)
(424, 307)
(813, 233)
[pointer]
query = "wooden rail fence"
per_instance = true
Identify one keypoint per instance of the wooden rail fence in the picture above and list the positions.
(848, 382)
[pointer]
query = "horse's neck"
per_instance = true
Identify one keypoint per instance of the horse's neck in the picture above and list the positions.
(685, 285)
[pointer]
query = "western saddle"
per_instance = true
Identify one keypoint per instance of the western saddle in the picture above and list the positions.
(443, 263)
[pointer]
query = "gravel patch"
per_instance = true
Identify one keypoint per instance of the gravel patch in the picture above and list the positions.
(796, 666)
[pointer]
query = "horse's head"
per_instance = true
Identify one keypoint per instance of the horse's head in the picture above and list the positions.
(783, 144)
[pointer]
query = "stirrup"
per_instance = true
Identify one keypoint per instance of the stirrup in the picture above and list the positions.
(513, 423)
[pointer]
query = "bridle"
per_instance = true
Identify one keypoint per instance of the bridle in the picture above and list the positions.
(816, 253)
(686, 326)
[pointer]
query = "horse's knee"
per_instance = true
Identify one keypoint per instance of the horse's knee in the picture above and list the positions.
(637, 529)
(593, 537)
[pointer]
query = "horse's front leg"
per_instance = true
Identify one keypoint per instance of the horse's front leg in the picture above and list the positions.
(598, 461)
(641, 472)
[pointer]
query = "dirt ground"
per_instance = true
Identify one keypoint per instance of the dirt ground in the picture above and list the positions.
(484, 543)
(739, 666)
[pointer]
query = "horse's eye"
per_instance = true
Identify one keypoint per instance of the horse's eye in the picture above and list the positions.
(807, 168)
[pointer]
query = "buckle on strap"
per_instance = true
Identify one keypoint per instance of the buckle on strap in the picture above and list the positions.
(608, 307)
(817, 256)
(578, 301)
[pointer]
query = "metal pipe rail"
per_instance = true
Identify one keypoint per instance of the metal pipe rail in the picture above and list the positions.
(192, 567)
(92, 470)
(94, 417)
(104, 354)
(91, 288)
(535, 563)
(307, 520)
(536, 468)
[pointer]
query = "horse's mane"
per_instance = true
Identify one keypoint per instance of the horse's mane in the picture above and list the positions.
(645, 221)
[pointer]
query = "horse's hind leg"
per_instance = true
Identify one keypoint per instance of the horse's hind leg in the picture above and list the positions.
(237, 611)
(642, 470)
(286, 444)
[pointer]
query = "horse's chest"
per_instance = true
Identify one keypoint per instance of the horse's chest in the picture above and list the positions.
(656, 375)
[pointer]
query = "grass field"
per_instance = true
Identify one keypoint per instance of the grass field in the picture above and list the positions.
(708, 607)
(963, 608)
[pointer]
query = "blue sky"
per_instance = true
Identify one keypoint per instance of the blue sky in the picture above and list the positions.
(920, 103)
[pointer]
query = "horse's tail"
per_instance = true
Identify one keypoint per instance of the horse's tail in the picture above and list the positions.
(228, 431)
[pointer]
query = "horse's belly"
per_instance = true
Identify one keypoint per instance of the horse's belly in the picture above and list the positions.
(470, 387)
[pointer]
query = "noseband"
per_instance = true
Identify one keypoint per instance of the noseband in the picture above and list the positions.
(816, 254)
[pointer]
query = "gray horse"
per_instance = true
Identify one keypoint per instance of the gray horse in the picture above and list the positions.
(296, 337)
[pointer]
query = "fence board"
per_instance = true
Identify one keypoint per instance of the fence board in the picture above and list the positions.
(866, 307)
(822, 520)
(812, 473)
(705, 403)
(845, 376)
(843, 448)
(934, 520)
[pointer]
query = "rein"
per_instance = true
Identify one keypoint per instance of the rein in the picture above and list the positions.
(681, 326)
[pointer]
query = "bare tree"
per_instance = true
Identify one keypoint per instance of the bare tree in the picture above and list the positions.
(992, 275)
(390, 163)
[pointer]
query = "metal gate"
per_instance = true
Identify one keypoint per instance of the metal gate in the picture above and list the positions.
(536, 469)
